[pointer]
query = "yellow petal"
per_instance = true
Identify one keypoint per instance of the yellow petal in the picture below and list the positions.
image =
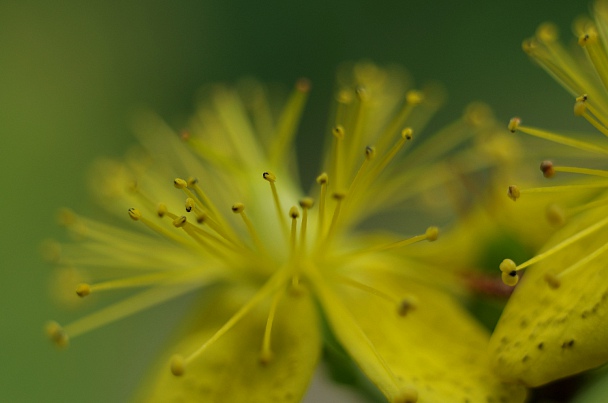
(435, 350)
(549, 330)
(230, 369)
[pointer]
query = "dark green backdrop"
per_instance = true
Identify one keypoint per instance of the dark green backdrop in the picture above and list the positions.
(71, 74)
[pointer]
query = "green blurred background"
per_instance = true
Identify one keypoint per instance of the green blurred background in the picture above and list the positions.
(72, 72)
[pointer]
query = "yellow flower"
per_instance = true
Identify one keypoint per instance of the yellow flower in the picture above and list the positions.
(556, 322)
(271, 264)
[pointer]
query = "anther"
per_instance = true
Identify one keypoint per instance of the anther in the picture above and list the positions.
(192, 181)
(269, 176)
(585, 39)
(238, 208)
(513, 192)
(407, 133)
(190, 203)
(414, 97)
(266, 357)
(514, 124)
(322, 179)
(432, 233)
(338, 195)
(361, 93)
(509, 273)
(135, 214)
(580, 105)
(547, 169)
(407, 305)
(303, 84)
(180, 183)
(547, 32)
(307, 202)
(83, 290)
(178, 365)
(180, 221)
(338, 131)
(161, 210)
(293, 212)
(66, 217)
(56, 333)
(370, 152)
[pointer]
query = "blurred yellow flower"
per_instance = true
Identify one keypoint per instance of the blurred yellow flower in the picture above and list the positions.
(555, 324)
(272, 264)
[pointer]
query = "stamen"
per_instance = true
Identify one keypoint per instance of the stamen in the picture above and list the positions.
(555, 280)
(336, 159)
(403, 305)
(289, 121)
(338, 197)
(322, 180)
(57, 335)
(239, 208)
(215, 220)
(130, 282)
(513, 192)
(136, 215)
(594, 48)
(294, 214)
(271, 178)
(263, 292)
(515, 125)
(576, 170)
(306, 204)
(508, 266)
(588, 110)
(406, 135)
(127, 307)
(413, 98)
(431, 234)
(266, 354)
(370, 154)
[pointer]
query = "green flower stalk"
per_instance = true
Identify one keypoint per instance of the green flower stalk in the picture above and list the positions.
(271, 262)
(556, 322)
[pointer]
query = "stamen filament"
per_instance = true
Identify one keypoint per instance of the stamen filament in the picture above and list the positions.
(271, 178)
(580, 263)
(262, 293)
(322, 180)
(565, 243)
(336, 156)
(129, 282)
(136, 215)
(288, 122)
(413, 99)
(306, 204)
(266, 354)
(556, 138)
(294, 214)
(239, 208)
(563, 188)
(137, 303)
(585, 171)
(334, 222)
(430, 235)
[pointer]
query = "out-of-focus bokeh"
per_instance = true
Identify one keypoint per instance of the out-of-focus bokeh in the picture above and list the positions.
(72, 73)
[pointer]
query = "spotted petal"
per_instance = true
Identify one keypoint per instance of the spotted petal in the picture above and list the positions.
(436, 351)
(546, 333)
